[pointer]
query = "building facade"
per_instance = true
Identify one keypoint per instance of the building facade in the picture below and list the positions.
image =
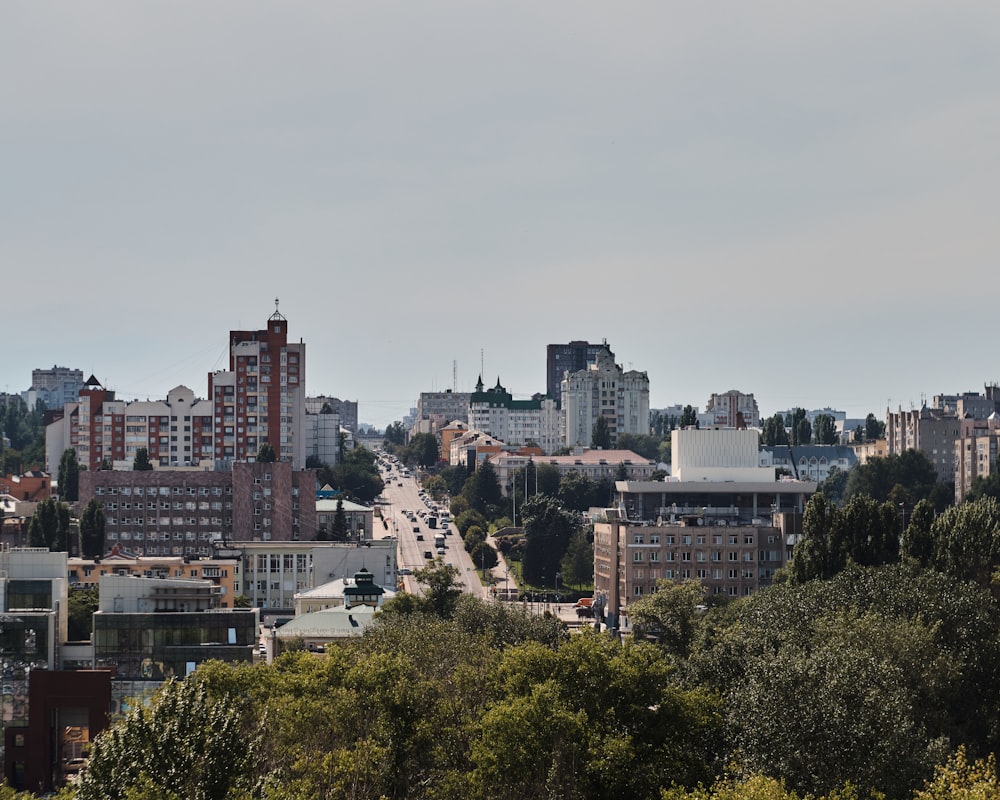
(538, 421)
(976, 451)
(437, 409)
(733, 409)
(932, 431)
(570, 357)
(184, 512)
(55, 387)
(604, 389)
(261, 398)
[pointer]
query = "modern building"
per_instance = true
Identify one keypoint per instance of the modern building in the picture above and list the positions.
(261, 398)
(537, 422)
(570, 357)
(151, 629)
(733, 409)
(721, 518)
(604, 389)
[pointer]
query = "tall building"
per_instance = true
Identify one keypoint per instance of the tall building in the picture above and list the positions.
(733, 409)
(976, 451)
(571, 357)
(604, 389)
(516, 422)
(261, 398)
(57, 386)
(932, 431)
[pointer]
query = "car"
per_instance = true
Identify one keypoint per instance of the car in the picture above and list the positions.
(428, 554)
(420, 537)
(416, 529)
(441, 551)
(404, 571)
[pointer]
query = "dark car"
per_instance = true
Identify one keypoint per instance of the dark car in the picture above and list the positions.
(428, 554)
(420, 537)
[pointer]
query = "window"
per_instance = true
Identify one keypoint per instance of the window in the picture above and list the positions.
(637, 556)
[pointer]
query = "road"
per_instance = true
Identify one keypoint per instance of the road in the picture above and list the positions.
(403, 493)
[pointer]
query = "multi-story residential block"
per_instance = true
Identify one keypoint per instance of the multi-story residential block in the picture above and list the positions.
(733, 409)
(976, 451)
(473, 447)
(54, 387)
(536, 422)
(932, 431)
(571, 357)
(864, 451)
(261, 398)
(183, 512)
(604, 389)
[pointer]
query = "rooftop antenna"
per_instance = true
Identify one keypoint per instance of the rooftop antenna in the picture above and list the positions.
(481, 362)
(454, 376)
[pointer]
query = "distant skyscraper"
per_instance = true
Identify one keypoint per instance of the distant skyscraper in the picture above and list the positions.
(572, 357)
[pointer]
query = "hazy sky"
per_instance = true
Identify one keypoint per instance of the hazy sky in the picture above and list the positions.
(797, 200)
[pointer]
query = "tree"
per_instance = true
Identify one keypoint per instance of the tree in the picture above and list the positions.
(49, 525)
(339, 533)
(773, 433)
(443, 588)
(873, 428)
(689, 418)
(484, 556)
(424, 450)
(186, 744)
(69, 476)
(482, 490)
(668, 615)
(600, 437)
(577, 566)
(547, 479)
(141, 462)
(578, 492)
(959, 779)
(395, 434)
(82, 605)
(266, 454)
(879, 476)
(92, 530)
(548, 529)
(824, 429)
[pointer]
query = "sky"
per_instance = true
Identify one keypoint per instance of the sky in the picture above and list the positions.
(795, 200)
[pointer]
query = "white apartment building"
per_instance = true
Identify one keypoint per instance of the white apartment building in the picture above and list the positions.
(604, 389)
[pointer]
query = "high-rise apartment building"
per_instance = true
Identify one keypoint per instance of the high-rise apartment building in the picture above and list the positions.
(57, 386)
(733, 409)
(571, 357)
(261, 398)
(604, 389)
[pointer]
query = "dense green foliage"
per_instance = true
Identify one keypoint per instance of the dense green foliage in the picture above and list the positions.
(26, 430)
(68, 476)
(49, 526)
(357, 475)
(92, 530)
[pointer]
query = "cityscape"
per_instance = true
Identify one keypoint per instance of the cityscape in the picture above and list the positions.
(499, 401)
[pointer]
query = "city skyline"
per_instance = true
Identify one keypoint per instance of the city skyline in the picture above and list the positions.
(792, 201)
